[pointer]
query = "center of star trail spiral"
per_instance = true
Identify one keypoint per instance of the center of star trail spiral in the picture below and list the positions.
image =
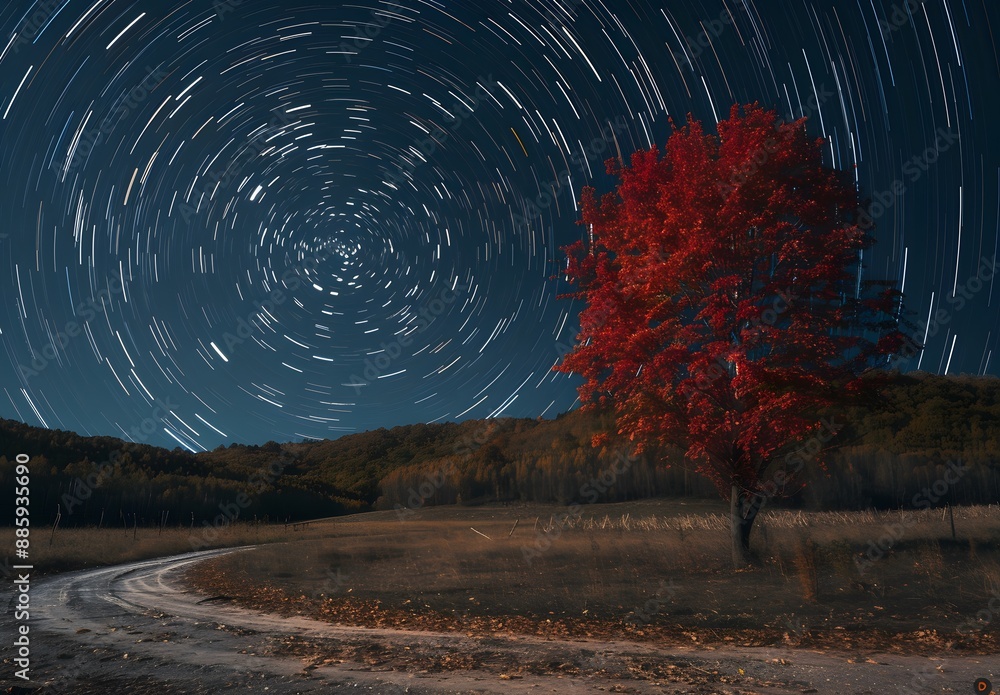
(250, 220)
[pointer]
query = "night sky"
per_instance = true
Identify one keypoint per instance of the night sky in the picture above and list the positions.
(255, 221)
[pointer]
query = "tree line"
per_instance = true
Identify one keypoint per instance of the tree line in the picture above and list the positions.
(883, 455)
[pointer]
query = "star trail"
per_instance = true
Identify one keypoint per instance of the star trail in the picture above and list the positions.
(251, 220)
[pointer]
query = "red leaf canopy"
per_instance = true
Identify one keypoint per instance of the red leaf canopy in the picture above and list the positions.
(723, 303)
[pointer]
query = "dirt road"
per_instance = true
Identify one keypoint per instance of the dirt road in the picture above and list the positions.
(136, 629)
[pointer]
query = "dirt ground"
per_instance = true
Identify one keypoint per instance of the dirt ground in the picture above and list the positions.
(635, 598)
(138, 629)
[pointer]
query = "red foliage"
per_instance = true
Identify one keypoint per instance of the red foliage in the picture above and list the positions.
(723, 308)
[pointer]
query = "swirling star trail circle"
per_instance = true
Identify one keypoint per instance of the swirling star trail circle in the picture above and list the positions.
(250, 220)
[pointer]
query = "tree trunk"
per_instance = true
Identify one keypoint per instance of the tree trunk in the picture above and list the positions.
(743, 510)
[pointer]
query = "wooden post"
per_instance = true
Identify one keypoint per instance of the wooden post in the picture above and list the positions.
(951, 517)
(135, 525)
(99, 523)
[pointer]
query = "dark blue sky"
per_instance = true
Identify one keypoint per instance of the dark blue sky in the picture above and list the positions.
(268, 220)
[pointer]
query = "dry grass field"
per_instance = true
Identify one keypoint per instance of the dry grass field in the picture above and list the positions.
(78, 548)
(653, 568)
(657, 568)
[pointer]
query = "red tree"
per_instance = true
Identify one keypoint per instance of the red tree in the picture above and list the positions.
(723, 303)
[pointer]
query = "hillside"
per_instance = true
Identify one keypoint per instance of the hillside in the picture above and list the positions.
(886, 455)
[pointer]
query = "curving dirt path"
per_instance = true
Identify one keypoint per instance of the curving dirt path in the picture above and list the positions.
(135, 629)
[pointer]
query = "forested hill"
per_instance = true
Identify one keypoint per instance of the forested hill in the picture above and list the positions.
(887, 456)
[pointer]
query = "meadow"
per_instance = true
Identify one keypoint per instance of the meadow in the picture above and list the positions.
(652, 569)
(649, 569)
(67, 549)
